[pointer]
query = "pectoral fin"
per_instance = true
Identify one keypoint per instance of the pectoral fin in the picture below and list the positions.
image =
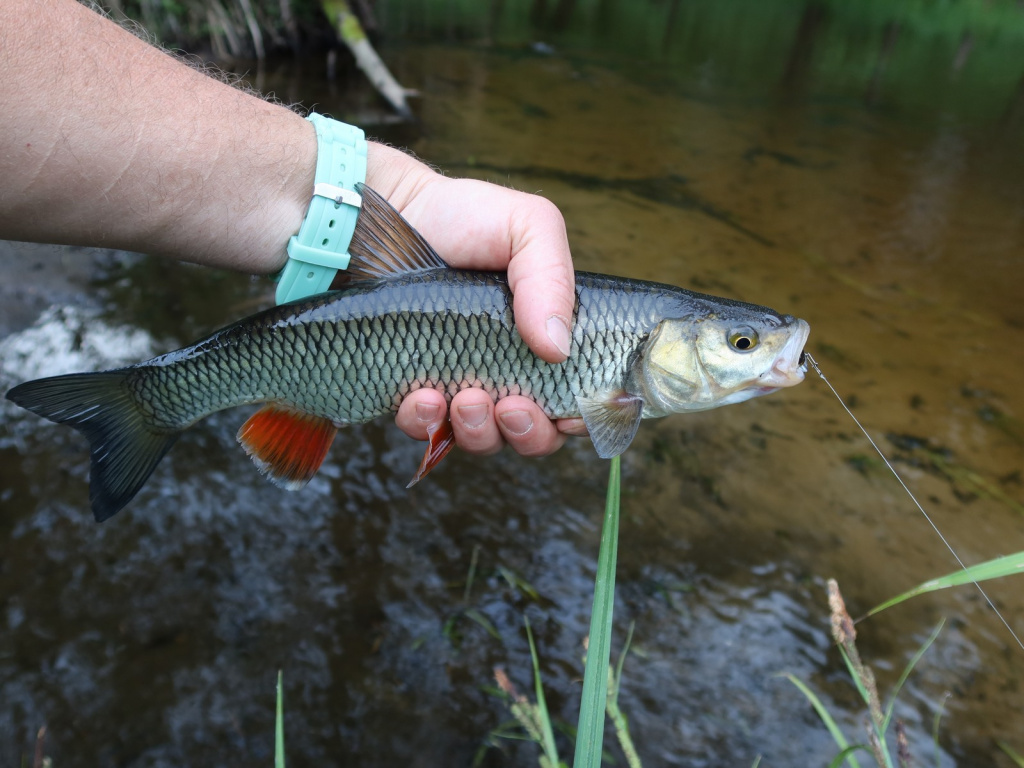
(287, 445)
(612, 421)
(441, 440)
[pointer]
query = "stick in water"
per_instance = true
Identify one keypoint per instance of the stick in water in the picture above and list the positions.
(814, 365)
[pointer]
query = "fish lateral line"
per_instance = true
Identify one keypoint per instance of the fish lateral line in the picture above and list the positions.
(817, 369)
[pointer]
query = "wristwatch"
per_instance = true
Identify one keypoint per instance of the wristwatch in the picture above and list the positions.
(320, 248)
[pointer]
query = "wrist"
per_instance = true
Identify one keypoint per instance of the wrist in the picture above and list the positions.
(289, 195)
(396, 175)
(293, 198)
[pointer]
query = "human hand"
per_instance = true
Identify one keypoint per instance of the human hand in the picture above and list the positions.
(476, 225)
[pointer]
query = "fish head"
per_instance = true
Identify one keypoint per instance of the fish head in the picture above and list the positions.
(726, 355)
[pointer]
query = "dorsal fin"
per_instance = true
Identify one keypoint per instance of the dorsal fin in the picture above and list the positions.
(384, 245)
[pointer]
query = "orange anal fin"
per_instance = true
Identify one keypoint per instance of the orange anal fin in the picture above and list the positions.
(441, 440)
(287, 445)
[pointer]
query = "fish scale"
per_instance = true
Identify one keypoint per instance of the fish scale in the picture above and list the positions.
(352, 355)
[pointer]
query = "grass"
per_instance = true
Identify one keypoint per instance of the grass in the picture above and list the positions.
(998, 568)
(590, 732)
(887, 743)
(533, 717)
(1011, 753)
(601, 681)
(279, 723)
(39, 757)
(880, 721)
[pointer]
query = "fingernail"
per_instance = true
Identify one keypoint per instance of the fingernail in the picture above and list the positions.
(558, 332)
(517, 422)
(427, 411)
(473, 416)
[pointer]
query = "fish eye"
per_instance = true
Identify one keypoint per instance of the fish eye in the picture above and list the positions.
(743, 339)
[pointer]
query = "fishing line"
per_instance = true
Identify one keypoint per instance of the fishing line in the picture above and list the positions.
(814, 365)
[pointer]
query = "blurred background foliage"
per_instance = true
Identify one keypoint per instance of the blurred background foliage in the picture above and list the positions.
(963, 56)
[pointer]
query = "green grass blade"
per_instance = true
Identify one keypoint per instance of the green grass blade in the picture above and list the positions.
(882, 756)
(516, 581)
(279, 723)
(590, 734)
(1011, 753)
(474, 558)
(935, 730)
(483, 621)
(548, 742)
(841, 757)
(858, 683)
(826, 718)
(906, 673)
(622, 661)
(1007, 565)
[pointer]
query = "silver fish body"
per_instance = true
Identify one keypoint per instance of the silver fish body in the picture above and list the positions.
(638, 350)
(352, 355)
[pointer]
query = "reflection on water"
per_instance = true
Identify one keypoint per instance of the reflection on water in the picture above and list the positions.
(154, 639)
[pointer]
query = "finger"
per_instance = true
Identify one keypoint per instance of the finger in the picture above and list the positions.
(541, 277)
(575, 427)
(472, 417)
(421, 411)
(526, 428)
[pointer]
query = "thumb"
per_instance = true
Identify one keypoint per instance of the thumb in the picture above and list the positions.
(541, 277)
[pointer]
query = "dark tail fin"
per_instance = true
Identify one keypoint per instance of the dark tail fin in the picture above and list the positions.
(125, 449)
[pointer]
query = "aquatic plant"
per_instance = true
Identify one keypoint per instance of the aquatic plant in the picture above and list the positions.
(863, 678)
(845, 636)
(601, 681)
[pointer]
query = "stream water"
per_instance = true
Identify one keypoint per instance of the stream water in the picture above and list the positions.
(895, 226)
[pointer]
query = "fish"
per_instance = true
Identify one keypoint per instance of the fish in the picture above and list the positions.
(405, 320)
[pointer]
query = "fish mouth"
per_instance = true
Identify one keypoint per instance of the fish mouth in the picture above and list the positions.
(790, 366)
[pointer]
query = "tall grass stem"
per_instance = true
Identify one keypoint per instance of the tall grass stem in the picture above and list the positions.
(590, 733)
(279, 723)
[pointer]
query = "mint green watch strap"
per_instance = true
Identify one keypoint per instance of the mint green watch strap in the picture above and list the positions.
(320, 248)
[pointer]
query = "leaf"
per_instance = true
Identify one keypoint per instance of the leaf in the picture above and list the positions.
(838, 759)
(1011, 753)
(906, 673)
(483, 621)
(279, 723)
(1007, 565)
(518, 582)
(542, 707)
(826, 718)
(590, 734)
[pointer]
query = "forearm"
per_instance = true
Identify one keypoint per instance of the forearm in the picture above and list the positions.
(107, 141)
